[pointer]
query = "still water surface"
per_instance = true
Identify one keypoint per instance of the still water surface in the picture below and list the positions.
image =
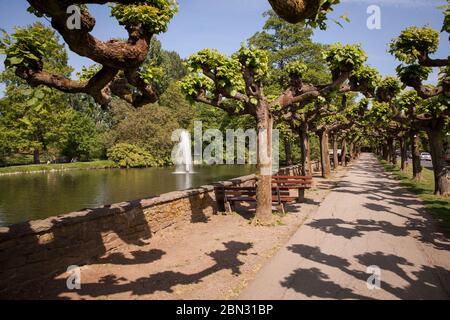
(41, 195)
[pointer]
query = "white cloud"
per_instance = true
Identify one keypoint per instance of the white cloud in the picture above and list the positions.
(398, 3)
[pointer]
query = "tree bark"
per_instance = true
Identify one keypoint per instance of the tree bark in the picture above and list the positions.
(436, 139)
(288, 152)
(415, 151)
(309, 165)
(402, 154)
(36, 157)
(303, 148)
(325, 154)
(385, 153)
(344, 153)
(295, 11)
(335, 153)
(391, 150)
(264, 167)
(305, 151)
(114, 55)
(352, 151)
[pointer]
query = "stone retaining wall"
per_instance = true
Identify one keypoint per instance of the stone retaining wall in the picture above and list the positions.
(39, 249)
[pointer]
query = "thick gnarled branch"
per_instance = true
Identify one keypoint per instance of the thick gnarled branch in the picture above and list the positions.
(308, 92)
(113, 55)
(426, 61)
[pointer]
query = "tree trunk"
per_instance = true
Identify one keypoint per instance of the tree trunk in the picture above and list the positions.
(325, 154)
(402, 154)
(303, 148)
(351, 151)
(394, 154)
(309, 165)
(36, 157)
(344, 153)
(288, 152)
(264, 167)
(335, 153)
(436, 139)
(305, 151)
(415, 151)
(385, 153)
(392, 157)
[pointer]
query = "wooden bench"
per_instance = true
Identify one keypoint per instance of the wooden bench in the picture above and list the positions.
(231, 195)
(287, 183)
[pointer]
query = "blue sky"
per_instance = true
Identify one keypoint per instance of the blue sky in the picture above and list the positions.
(225, 24)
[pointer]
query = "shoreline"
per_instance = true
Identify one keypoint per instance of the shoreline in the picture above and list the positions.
(53, 171)
(96, 165)
(44, 168)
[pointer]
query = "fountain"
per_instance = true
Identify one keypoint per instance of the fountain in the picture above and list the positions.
(183, 155)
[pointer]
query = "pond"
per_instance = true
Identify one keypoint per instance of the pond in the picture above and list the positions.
(41, 195)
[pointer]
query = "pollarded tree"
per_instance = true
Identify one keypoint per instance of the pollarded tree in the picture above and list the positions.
(350, 138)
(414, 48)
(337, 116)
(235, 84)
(287, 139)
(407, 102)
(354, 135)
(120, 73)
(382, 115)
(300, 123)
(292, 43)
(388, 129)
(429, 115)
(312, 11)
(303, 115)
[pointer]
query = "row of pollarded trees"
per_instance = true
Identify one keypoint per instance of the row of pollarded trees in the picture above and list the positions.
(401, 115)
(236, 85)
(329, 121)
(399, 124)
(121, 70)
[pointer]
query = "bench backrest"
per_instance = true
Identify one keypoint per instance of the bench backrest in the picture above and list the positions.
(239, 191)
(231, 192)
(292, 180)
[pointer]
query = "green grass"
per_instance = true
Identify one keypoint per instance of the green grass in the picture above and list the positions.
(102, 164)
(437, 205)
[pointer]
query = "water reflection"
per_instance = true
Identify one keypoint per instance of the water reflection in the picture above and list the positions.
(184, 181)
(37, 196)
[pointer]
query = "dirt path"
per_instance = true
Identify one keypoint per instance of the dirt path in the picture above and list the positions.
(206, 260)
(368, 220)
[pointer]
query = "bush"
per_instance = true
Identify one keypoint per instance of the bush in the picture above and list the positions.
(131, 156)
(149, 127)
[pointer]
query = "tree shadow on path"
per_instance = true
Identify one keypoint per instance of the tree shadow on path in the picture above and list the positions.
(424, 283)
(165, 281)
(383, 195)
